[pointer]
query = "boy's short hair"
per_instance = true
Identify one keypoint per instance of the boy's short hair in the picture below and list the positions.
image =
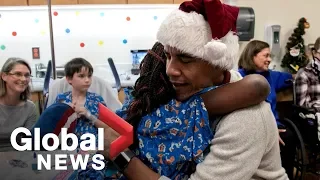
(75, 66)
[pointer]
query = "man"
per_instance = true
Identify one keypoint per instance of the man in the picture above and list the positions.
(200, 41)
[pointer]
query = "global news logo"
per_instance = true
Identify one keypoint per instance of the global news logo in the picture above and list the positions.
(87, 143)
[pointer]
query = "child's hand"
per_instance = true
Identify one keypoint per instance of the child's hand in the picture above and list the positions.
(81, 110)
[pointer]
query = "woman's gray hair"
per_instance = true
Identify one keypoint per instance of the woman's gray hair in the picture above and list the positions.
(6, 68)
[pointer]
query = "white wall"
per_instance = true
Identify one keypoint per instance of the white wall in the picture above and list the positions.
(87, 25)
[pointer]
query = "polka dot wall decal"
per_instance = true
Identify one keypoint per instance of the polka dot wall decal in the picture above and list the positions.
(100, 43)
(67, 30)
(125, 41)
(155, 17)
(102, 14)
(2, 47)
(43, 32)
(77, 13)
(14, 33)
(55, 13)
(36, 20)
(82, 44)
(128, 18)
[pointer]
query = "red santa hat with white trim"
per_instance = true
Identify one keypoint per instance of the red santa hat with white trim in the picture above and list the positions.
(205, 29)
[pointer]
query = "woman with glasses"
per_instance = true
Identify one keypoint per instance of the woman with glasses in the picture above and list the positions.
(15, 108)
(308, 81)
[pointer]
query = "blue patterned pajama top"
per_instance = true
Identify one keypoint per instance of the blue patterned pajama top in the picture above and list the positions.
(173, 137)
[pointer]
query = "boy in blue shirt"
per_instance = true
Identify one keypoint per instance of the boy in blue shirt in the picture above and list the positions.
(78, 73)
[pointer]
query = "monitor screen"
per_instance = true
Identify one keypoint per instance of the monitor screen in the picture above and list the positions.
(138, 55)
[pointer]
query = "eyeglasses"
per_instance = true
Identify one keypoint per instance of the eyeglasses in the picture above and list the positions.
(20, 75)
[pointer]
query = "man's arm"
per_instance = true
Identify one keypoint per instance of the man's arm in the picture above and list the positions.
(251, 90)
(238, 148)
(136, 170)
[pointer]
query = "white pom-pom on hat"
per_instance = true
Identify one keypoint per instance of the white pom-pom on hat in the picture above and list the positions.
(215, 50)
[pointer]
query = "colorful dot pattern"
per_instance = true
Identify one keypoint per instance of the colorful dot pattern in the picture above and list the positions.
(68, 31)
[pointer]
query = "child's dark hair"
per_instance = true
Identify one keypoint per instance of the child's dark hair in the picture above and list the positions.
(75, 66)
(152, 88)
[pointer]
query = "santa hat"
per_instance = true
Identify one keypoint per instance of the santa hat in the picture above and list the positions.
(205, 29)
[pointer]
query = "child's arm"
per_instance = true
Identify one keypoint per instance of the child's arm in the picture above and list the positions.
(251, 90)
(82, 111)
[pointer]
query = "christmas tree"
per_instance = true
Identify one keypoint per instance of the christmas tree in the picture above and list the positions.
(295, 57)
